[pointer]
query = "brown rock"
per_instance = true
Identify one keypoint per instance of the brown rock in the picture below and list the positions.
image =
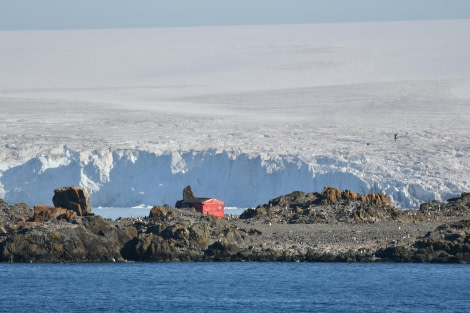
(331, 194)
(373, 198)
(158, 211)
(349, 195)
(161, 212)
(43, 213)
(72, 198)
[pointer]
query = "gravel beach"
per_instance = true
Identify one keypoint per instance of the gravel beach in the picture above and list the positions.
(338, 237)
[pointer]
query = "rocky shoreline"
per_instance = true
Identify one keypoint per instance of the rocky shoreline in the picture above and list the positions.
(331, 226)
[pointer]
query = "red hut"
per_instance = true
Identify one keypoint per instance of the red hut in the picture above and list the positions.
(203, 205)
(208, 206)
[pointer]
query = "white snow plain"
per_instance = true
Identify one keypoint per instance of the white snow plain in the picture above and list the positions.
(240, 113)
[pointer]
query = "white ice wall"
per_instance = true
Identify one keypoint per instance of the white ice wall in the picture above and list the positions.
(126, 178)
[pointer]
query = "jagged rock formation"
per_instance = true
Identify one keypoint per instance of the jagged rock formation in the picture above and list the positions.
(330, 206)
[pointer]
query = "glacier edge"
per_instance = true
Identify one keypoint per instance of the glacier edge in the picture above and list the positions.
(128, 178)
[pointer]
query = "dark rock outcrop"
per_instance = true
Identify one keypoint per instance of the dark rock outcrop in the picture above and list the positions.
(456, 207)
(13, 217)
(330, 206)
(177, 237)
(89, 239)
(72, 198)
(449, 243)
(348, 228)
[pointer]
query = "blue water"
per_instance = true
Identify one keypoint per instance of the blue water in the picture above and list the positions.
(234, 287)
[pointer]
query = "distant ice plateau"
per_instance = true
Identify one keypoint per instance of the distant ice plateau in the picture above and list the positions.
(240, 113)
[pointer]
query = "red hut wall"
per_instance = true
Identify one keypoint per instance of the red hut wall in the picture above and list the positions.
(212, 206)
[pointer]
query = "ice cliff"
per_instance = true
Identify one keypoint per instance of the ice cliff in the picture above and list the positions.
(126, 178)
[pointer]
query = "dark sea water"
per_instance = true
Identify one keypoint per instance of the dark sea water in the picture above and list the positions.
(234, 287)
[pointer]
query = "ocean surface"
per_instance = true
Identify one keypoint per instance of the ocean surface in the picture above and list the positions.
(234, 287)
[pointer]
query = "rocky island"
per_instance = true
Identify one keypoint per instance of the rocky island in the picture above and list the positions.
(331, 226)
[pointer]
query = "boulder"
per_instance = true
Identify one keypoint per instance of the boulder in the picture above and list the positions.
(158, 211)
(161, 212)
(72, 198)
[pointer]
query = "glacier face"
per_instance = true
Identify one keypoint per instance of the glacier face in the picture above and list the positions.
(127, 178)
